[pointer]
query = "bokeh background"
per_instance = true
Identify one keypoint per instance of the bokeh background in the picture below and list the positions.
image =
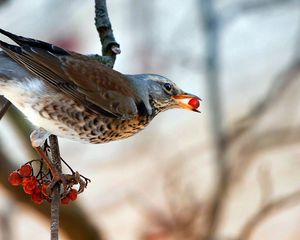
(230, 173)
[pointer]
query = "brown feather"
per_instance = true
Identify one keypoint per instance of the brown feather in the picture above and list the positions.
(83, 79)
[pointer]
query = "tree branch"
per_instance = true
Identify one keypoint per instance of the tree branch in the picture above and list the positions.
(210, 20)
(245, 7)
(55, 158)
(271, 208)
(110, 48)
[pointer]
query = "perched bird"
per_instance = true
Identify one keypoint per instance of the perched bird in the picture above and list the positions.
(72, 96)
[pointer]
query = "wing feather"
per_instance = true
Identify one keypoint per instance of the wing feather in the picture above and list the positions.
(99, 88)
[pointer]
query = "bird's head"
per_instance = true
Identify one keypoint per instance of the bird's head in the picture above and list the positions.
(163, 94)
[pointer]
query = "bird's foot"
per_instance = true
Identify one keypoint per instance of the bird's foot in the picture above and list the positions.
(65, 181)
(74, 179)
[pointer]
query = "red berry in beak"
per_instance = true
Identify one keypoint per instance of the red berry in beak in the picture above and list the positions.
(194, 103)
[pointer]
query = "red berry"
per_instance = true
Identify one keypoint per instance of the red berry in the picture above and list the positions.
(15, 178)
(73, 194)
(27, 189)
(37, 196)
(29, 184)
(65, 200)
(25, 170)
(194, 103)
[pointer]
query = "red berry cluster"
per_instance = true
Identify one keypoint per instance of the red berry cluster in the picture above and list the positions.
(37, 185)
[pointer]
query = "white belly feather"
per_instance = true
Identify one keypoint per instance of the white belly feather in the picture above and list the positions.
(26, 93)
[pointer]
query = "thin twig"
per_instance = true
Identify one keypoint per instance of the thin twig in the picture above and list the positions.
(264, 213)
(238, 9)
(4, 108)
(55, 157)
(110, 48)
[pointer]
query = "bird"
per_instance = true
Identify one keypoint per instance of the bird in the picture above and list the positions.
(73, 96)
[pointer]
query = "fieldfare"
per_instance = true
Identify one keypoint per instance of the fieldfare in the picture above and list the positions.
(73, 96)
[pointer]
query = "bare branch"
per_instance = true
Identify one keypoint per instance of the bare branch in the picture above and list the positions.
(245, 7)
(279, 86)
(268, 139)
(55, 158)
(270, 209)
(210, 20)
(266, 187)
(110, 48)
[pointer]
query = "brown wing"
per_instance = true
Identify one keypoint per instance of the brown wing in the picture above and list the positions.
(101, 89)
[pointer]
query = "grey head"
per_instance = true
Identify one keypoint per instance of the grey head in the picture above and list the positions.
(160, 94)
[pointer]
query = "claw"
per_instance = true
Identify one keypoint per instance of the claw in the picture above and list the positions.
(65, 181)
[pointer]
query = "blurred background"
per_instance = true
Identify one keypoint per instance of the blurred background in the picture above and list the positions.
(230, 173)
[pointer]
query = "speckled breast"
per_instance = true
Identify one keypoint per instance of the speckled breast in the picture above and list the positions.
(71, 120)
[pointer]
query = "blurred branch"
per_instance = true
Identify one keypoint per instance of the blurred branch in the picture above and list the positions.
(5, 106)
(249, 6)
(210, 21)
(3, 1)
(277, 89)
(270, 209)
(267, 139)
(110, 48)
(266, 186)
(6, 226)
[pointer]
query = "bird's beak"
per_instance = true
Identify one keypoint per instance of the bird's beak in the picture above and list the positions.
(183, 101)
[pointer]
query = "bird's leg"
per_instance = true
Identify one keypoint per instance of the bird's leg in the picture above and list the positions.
(57, 176)
(38, 137)
(39, 143)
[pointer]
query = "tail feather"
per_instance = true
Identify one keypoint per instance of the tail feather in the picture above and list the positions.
(11, 47)
(33, 43)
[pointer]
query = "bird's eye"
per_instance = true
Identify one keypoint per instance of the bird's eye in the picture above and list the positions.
(168, 87)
